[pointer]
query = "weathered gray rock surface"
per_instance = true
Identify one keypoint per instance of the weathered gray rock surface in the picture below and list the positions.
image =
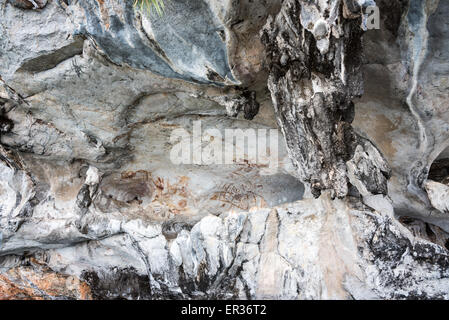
(315, 73)
(92, 207)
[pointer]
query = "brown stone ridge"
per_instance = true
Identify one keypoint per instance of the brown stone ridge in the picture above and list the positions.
(27, 4)
(38, 282)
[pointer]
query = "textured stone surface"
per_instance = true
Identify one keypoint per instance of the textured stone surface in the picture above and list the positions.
(91, 206)
(404, 107)
(312, 249)
(314, 57)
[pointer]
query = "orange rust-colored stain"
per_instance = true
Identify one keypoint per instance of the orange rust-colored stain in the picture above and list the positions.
(39, 283)
(11, 291)
(381, 132)
(104, 13)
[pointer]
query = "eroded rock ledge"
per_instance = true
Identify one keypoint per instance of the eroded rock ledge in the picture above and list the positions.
(278, 253)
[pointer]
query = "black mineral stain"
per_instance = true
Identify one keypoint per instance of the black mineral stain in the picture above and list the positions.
(118, 284)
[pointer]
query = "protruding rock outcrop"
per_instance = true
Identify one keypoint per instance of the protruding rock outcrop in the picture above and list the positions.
(314, 54)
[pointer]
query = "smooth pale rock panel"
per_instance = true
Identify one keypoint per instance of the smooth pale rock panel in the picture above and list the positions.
(87, 111)
(146, 42)
(17, 193)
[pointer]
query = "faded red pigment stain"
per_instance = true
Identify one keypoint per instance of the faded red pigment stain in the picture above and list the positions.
(104, 13)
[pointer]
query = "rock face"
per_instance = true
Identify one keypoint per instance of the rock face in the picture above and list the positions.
(314, 249)
(405, 89)
(315, 74)
(346, 199)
